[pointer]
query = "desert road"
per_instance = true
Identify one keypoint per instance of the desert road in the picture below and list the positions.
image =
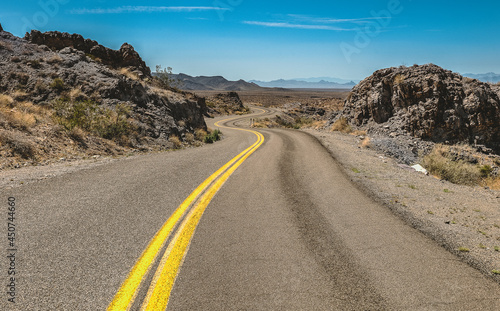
(279, 228)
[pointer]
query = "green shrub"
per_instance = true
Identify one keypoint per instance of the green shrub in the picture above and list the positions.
(58, 85)
(213, 137)
(105, 122)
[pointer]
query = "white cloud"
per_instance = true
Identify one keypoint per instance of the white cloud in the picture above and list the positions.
(146, 9)
(296, 26)
(312, 19)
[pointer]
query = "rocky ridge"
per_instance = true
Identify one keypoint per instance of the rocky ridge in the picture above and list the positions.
(414, 107)
(67, 69)
(126, 56)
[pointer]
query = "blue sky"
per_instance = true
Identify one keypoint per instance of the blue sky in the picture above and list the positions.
(266, 40)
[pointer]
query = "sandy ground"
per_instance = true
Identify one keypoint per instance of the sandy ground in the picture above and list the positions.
(463, 219)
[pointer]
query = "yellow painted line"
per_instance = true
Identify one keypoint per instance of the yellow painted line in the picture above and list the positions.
(125, 296)
(164, 279)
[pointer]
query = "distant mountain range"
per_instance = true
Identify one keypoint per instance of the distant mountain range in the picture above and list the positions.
(216, 83)
(309, 83)
(485, 77)
(219, 83)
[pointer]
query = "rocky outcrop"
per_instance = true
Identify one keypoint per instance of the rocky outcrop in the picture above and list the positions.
(43, 75)
(427, 102)
(225, 103)
(126, 56)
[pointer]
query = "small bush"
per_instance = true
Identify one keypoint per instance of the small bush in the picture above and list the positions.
(77, 134)
(109, 123)
(6, 101)
(18, 144)
(58, 85)
(176, 142)
(127, 73)
(200, 134)
(56, 59)
(341, 125)
(398, 79)
(213, 137)
(189, 138)
(35, 64)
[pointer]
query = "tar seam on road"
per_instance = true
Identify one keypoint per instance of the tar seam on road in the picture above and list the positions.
(166, 273)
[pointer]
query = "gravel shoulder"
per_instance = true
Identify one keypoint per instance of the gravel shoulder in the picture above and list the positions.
(463, 219)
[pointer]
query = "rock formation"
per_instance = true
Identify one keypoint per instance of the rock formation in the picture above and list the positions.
(427, 102)
(126, 56)
(62, 69)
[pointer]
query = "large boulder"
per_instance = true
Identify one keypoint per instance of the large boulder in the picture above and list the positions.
(428, 102)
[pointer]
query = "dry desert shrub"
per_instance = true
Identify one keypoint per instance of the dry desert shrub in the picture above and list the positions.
(55, 59)
(200, 134)
(127, 73)
(76, 94)
(341, 125)
(366, 143)
(440, 164)
(176, 142)
(18, 144)
(6, 100)
(189, 137)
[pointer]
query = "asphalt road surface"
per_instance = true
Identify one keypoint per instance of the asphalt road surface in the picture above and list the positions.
(287, 230)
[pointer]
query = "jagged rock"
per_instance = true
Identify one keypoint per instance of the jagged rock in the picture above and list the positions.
(126, 56)
(1, 29)
(427, 102)
(155, 112)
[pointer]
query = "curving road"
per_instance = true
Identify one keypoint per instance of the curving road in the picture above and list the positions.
(286, 231)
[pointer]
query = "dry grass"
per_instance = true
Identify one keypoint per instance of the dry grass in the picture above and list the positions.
(76, 94)
(341, 125)
(264, 123)
(55, 59)
(318, 124)
(176, 142)
(366, 143)
(6, 101)
(18, 144)
(189, 137)
(19, 95)
(200, 134)
(492, 183)
(398, 79)
(127, 73)
(440, 164)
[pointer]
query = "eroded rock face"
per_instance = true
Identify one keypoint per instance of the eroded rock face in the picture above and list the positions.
(428, 102)
(32, 69)
(126, 56)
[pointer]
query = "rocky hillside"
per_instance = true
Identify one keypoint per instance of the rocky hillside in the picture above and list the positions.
(225, 104)
(427, 102)
(65, 96)
(217, 83)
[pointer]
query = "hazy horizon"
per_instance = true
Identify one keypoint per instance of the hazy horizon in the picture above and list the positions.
(257, 40)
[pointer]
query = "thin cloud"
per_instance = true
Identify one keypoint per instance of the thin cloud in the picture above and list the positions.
(146, 9)
(312, 19)
(295, 26)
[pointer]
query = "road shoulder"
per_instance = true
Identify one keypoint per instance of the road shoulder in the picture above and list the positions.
(463, 219)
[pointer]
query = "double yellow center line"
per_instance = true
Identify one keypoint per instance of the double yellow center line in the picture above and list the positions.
(185, 219)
